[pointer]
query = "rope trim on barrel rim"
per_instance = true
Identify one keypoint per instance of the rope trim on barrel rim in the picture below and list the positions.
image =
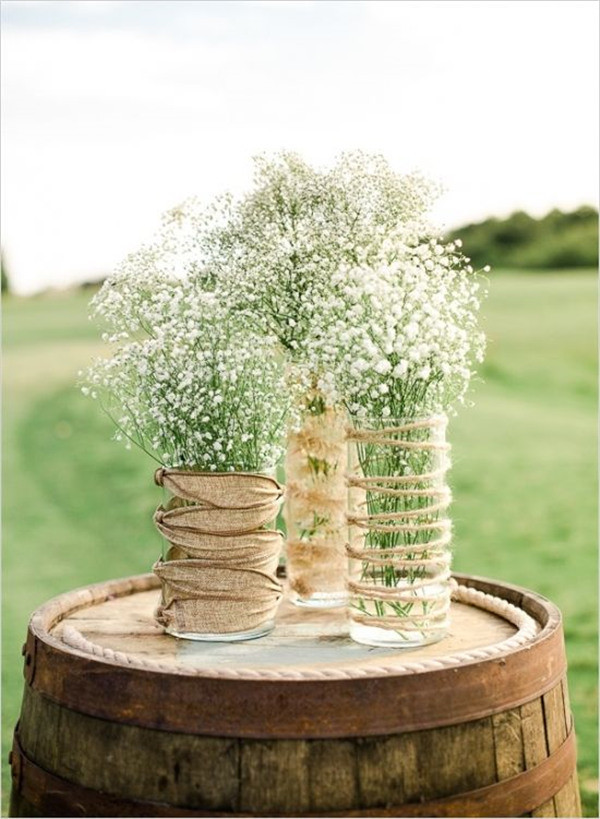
(526, 625)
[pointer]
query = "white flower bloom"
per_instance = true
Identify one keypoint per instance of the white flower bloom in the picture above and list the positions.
(177, 391)
(382, 366)
(338, 266)
(411, 331)
(410, 350)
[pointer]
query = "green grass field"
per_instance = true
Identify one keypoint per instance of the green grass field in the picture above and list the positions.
(524, 473)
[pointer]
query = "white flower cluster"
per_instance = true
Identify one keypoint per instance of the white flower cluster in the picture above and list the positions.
(398, 334)
(145, 290)
(199, 390)
(338, 266)
(274, 251)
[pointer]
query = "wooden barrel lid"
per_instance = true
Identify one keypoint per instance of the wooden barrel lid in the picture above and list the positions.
(97, 650)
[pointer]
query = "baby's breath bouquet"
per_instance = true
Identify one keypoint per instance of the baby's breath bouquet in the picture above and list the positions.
(397, 346)
(198, 390)
(275, 254)
(273, 251)
(203, 394)
(399, 333)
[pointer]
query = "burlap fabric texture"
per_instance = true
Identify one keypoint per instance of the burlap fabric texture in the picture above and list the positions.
(220, 573)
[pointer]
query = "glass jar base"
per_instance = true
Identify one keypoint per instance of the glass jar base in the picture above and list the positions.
(392, 638)
(320, 600)
(229, 637)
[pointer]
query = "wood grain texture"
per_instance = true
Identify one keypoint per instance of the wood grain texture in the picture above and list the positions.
(333, 775)
(535, 748)
(508, 743)
(570, 793)
(325, 685)
(558, 724)
(144, 764)
(285, 777)
(274, 778)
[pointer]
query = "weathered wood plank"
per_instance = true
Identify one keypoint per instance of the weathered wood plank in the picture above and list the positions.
(139, 763)
(290, 777)
(426, 764)
(458, 758)
(554, 722)
(566, 801)
(127, 624)
(274, 778)
(333, 776)
(508, 743)
(566, 704)
(570, 796)
(535, 748)
(388, 771)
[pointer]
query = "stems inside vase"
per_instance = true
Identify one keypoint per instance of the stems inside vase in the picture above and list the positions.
(399, 533)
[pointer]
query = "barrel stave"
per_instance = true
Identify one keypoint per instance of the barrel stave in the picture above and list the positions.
(292, 777)
(125, 760)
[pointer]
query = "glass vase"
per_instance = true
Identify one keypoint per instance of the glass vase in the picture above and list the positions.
(218, 570)
(399, 532)
(316, 508)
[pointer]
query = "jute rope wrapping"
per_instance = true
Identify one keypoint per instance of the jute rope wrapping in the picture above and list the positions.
(220, 573)
(404, 586)
(316, 505)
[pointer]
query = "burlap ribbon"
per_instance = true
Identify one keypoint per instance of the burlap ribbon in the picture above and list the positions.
(202, 599)
(220, 572)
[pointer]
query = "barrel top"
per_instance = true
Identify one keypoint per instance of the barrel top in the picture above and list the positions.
(97, 650)
(304, 640)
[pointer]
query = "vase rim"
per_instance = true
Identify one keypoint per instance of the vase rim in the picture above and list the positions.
(436, 419)
(162, 472)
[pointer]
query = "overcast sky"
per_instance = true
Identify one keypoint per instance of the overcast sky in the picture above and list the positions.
(114, 111)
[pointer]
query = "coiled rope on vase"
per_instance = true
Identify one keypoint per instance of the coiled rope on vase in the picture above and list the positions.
(220, 573)
(399, 532)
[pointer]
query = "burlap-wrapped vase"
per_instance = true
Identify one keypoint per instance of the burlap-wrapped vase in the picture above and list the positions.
(219, 577)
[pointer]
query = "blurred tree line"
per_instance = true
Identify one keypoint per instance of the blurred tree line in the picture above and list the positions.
(3, 274)
(557, 240)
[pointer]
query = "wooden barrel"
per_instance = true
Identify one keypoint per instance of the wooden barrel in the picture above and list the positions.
(119, 719)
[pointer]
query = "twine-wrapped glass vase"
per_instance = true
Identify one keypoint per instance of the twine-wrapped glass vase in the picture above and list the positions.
(399, 534)
(218, 571)
(316, 508)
